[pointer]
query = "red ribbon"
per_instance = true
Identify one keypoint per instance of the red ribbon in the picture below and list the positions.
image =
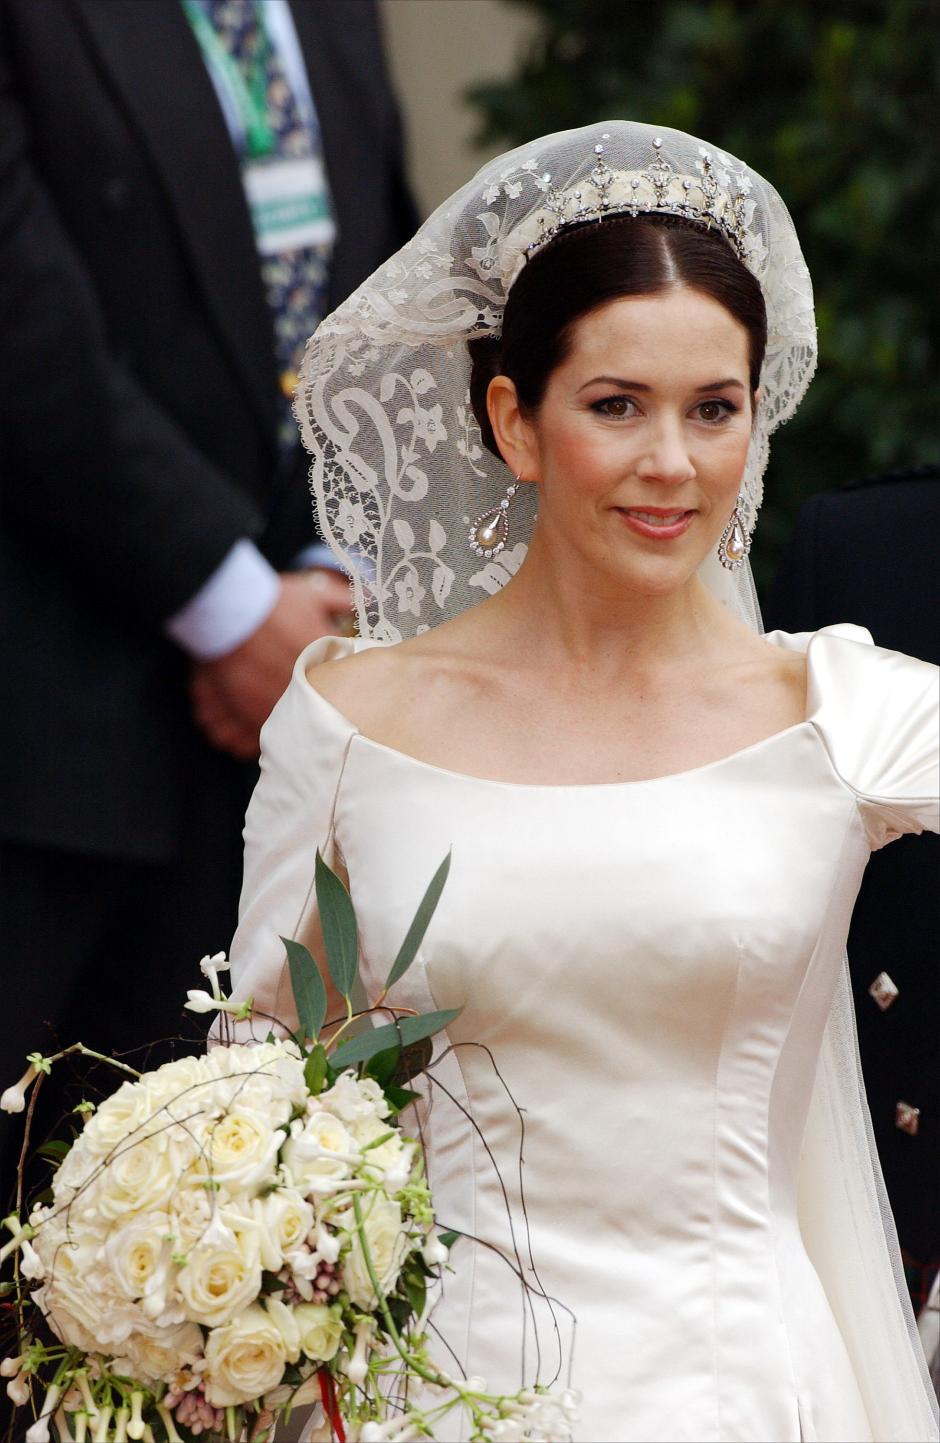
(328, 1397)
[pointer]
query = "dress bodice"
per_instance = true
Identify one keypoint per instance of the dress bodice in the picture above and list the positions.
(650, 966)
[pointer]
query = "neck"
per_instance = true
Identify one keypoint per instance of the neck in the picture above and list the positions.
(569, 616)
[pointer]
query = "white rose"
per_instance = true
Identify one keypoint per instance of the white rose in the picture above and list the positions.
(138, 1254)
(140, 1177)
(381, 1223)
(190, 1210)
(285, 1218)
(244, 1359)
(316, 1153)
(218, 1282)
(283, 1319)
(275, 1067)
(241, 1150)
(157, 1357)
(320, 1328)
(182, 1083)
(79, 1297)
(351, 1097)
(393, 1156)
(116, 1119)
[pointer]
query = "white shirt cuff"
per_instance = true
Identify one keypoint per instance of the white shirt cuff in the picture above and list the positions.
(240, 594)
(316, 554)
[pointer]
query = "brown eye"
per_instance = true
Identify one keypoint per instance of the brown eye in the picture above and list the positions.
(713, 411)
(617, 406)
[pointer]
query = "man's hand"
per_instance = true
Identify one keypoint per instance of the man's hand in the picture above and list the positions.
(233, 696)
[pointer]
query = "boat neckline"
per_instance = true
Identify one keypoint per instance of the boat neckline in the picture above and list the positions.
(407, 759)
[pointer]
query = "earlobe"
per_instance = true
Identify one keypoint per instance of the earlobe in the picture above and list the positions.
(514, 434)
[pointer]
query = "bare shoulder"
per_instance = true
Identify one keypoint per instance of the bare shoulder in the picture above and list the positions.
(378, 688)
(360, 684)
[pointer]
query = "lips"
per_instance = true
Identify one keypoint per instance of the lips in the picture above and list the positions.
(656, 521)
(658, 518)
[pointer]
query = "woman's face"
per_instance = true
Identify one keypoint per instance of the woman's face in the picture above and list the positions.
(639, 444)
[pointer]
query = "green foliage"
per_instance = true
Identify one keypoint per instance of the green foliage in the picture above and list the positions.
(415, 935)
(308, 988)
(835, 103)
(338, 923)
(379, 1039)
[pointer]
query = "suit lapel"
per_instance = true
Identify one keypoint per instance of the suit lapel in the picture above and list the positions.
(154, 64)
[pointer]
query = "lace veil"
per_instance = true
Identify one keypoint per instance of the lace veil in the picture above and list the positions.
(399, 474)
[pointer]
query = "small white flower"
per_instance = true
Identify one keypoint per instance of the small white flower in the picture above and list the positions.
(13, 1098)
(39, 1432)
(357, 1366)
(200, 1001)
(30, 1261)
(434, 1252)
(18, 1390)
(210, 965)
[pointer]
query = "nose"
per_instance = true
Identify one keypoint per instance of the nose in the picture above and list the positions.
(666, 457)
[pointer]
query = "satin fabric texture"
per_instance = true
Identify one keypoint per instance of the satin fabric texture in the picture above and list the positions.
(646, 971)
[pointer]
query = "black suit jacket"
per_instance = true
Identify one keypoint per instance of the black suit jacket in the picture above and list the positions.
(868, 554)
(138, 389)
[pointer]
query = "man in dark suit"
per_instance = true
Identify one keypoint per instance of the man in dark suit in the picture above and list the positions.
(155, 493)
(868, 554)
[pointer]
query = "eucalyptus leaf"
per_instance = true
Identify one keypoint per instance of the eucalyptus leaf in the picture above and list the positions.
(382, 1066)
(415, 935)
(338, 924)
(404, 1032)
(307, 984)
(315, 1070)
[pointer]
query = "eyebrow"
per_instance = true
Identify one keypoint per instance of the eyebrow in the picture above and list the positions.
(625, 385)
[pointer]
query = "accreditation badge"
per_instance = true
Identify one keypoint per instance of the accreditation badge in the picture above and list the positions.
(289, 203)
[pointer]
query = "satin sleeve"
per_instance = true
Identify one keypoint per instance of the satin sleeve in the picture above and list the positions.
(304, 745)
(878, 713)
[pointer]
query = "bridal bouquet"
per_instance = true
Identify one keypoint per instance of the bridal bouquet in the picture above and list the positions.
(236, 1235)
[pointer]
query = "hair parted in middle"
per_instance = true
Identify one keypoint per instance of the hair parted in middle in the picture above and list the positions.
(589, 265)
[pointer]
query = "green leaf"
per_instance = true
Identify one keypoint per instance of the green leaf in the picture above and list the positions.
(448, 1239)
(415, 935)
(307, 984)
(382, 1066)
(400, 1097)
(315, 1069)
(338, 923)
(404, 1031)
(416, 1290)
(55, 1150)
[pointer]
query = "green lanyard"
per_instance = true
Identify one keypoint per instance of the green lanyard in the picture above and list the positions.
(249, 96)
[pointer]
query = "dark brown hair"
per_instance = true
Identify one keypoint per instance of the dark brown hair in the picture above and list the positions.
(586, 267)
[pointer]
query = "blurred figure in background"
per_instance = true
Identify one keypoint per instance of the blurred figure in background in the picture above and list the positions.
(868, 553)
(186, 187)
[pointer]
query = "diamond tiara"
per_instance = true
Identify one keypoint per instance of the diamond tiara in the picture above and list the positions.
(715, 197)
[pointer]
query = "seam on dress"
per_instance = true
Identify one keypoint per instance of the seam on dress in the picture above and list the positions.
(801, 1395)
(716, 1380)
(311, 885)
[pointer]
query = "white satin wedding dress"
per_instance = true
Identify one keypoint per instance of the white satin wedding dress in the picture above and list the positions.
(651, 965)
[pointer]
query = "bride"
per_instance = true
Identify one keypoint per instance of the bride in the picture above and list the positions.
(538, 436)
